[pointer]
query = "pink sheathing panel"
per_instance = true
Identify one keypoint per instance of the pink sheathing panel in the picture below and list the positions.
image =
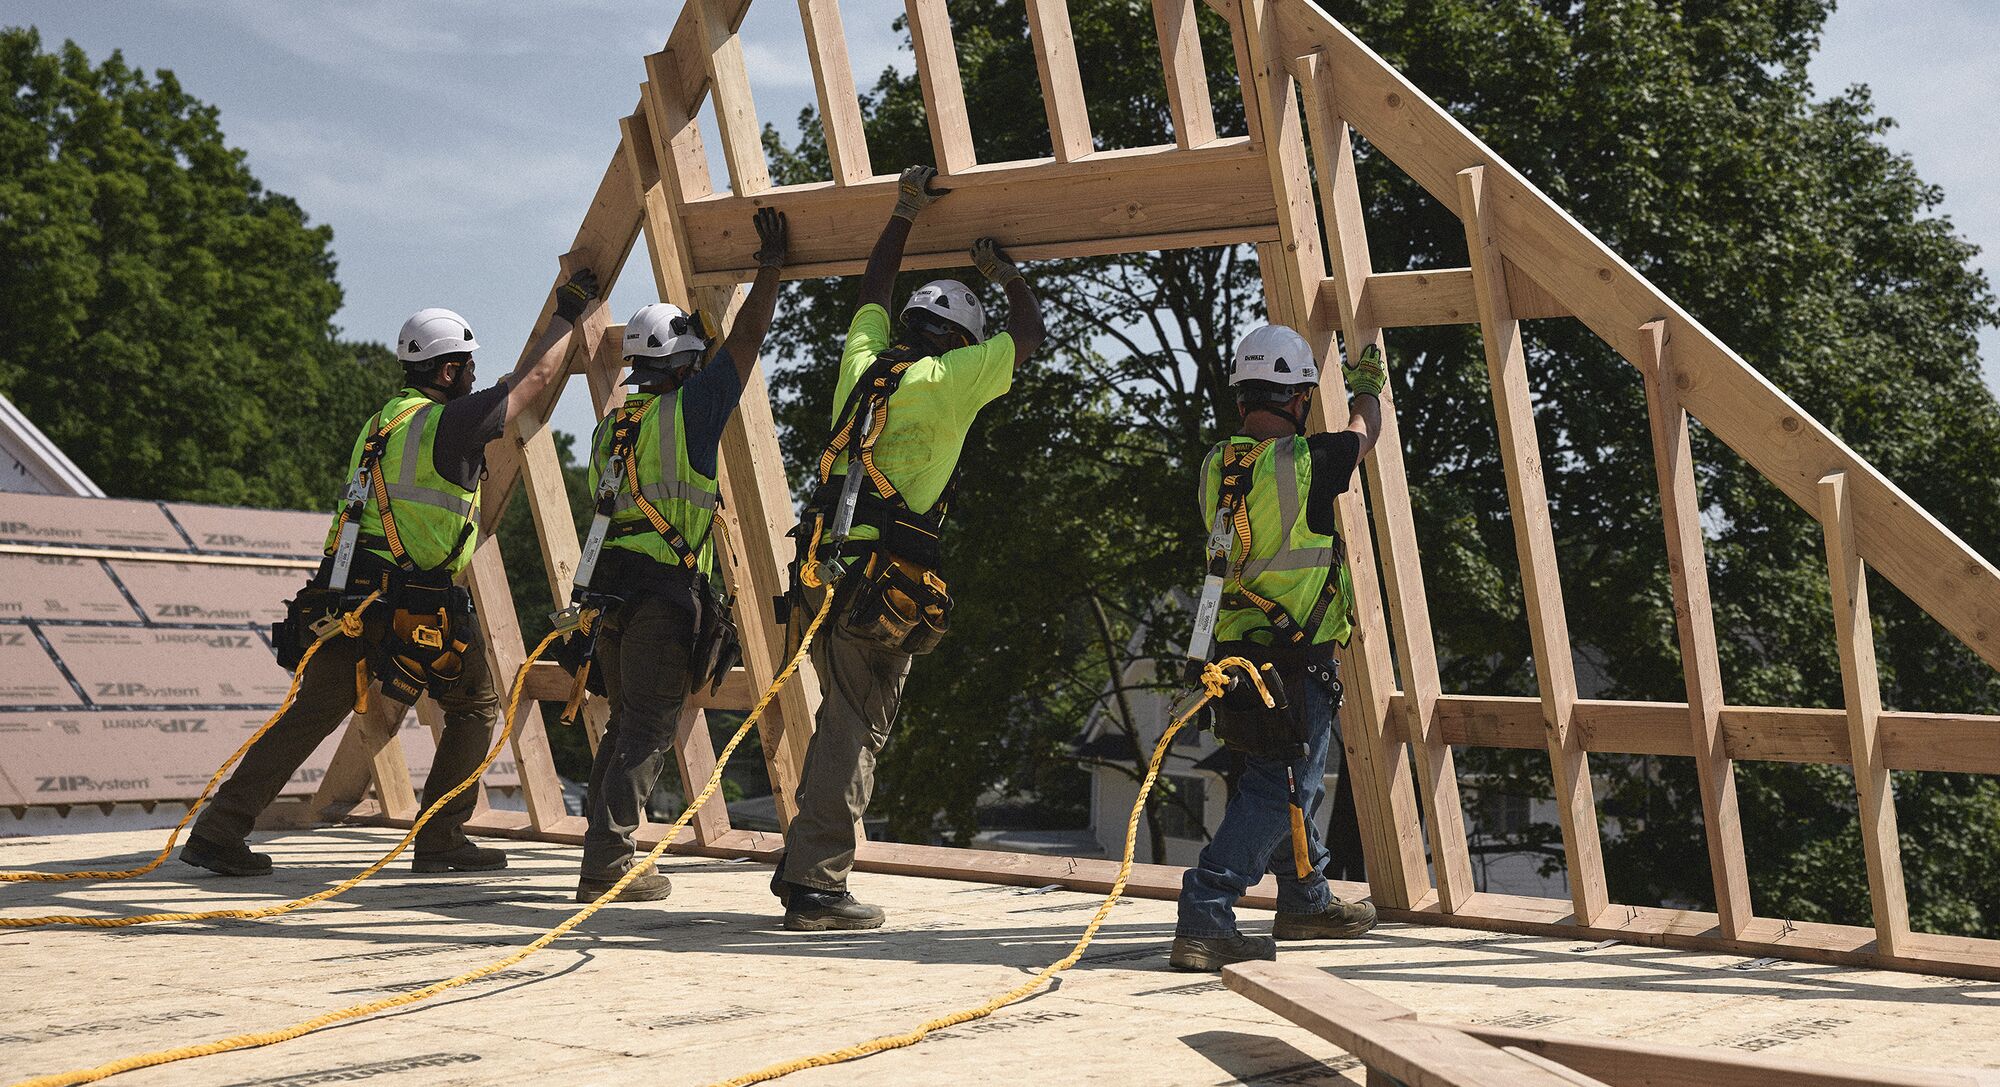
(27, 676)
(185, 592)
(59, 587)
(134, 666)
(88, 522)
(232, 530)
(79, 758)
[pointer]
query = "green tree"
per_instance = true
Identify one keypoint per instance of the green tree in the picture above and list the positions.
(144, 268)
(1686, 134)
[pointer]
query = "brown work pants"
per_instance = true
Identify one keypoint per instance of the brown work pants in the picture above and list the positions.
(861, 685)
(325, 698)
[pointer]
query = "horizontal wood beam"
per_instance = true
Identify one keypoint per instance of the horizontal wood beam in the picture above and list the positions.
(1442, 296)
(1113, 202)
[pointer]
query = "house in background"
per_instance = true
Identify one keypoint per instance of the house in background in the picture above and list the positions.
(32, 464)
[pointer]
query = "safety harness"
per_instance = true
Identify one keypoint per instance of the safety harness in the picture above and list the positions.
(1233, 498)
(916, 537)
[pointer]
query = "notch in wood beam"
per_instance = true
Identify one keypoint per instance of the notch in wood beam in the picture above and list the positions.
(1187, 74)
(833, 78)
(1062, 85)
(1847, 578)
(944, 95)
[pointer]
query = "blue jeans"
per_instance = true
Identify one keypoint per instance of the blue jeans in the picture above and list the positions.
(1256, 833)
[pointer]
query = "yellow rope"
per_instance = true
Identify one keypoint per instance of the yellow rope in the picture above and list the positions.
(271, 1037)
(350, 625)
(338, 889)
(1215, 684)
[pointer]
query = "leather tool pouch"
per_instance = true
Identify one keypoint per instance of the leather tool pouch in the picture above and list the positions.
(898, 604)
(430, 631)
(292, 635)
(1243, 722)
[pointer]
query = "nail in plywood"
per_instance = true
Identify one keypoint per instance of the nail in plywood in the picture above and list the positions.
(839, 109)
(1187, 75)
(1694, 622)
(1847, 577)
(1062, 86)
(944, 97)
(1541, 587)
(1402, 570)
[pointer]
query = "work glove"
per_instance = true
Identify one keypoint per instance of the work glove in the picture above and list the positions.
(914, 192)
(992, 262)
(771, 231)
(1368, 375)
(575, 294)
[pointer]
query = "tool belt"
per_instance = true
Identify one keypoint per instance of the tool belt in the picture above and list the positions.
(1244, 723)
(305, 615)
(715, 648)
(430, 631)
(897, 604)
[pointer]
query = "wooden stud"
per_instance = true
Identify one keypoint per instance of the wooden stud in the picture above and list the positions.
(944, 95)
(1847, 577)
(1694, 622)
(1395, 521)
(729, 87)
(541, 787)
(833, 77)
(1187, 74)
(1541, 587)
(1062, 85)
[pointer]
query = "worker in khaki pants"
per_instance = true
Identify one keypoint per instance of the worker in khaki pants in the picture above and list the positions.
(902, 408)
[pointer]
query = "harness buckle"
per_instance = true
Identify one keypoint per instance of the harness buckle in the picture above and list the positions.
(428, 637)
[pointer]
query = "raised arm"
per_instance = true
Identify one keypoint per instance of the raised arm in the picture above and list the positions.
(1024, 310)
(1365, 380)
(542, 364)
(913, 195)
(753, 317)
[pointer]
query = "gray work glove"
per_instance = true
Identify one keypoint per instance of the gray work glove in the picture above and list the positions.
(774, 235)
(914, 192)
(992, 262)
(575, 294)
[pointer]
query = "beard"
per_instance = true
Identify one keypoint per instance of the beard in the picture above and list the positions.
(461, 384)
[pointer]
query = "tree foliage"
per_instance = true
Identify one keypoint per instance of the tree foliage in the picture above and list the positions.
(1688, 136)
(163, 317)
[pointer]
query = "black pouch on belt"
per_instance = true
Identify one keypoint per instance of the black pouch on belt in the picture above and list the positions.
(715, 649)
(1243, 722)
(898, 604)
(292, 635)
(429, 634)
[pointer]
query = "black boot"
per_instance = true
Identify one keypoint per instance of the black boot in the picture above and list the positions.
(227, 858)
(810, 910)
(1339, 920)
(647, 886)
(1209, 954)
(466, 857)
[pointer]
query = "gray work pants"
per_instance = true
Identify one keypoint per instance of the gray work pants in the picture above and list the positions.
(861, 685)
(325, 698)
(643, 649)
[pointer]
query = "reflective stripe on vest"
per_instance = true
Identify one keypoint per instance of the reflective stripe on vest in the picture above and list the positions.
(686, 498)
(1289, 563)
(431, 512)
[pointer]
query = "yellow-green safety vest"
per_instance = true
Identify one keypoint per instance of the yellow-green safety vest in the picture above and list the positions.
(1288, 562)
(686, 498)
(431, 512)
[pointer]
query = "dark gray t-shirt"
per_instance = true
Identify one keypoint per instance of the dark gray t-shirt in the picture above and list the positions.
(1334, 456)
(469, 422)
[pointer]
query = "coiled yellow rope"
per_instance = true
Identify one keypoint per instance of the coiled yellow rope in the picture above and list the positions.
(349, 625)
(1215, 684)
(271, 1037)
(338, 889)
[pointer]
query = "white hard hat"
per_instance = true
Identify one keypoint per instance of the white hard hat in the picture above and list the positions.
(433, 332)
(1273, 355)
(661, 329)
(953, 301)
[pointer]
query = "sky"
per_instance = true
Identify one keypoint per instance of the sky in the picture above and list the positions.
(452, 144)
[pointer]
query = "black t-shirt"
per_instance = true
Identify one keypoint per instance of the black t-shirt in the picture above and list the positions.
(469, 422)
(707, 400)
(1334, 455)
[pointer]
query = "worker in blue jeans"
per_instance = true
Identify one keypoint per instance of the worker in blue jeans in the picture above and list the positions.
(1286, 602)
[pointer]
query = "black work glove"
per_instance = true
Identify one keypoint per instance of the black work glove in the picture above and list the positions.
(772, 231)
(575, 294)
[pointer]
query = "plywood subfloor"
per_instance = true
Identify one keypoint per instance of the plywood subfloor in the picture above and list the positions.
(706, 985)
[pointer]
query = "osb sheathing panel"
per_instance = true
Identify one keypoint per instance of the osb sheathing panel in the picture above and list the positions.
(93, 757)
(146, 666)
(92, 522)
(60, 587)
(231, 530)
(706, 985)
(176, 592)
(28, 676)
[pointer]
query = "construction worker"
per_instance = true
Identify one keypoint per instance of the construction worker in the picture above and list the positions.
(1287, 601)
(655, 580)
(871, 534)
(408, 533)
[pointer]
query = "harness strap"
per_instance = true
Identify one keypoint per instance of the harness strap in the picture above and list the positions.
(371, 460)
(1232, 495)
(877, 384)
(625, 447)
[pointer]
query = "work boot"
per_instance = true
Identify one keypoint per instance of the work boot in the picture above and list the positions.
(225, 858)
(1209, 954)
(810, 910)
(1338, 921)
(648, 886)
(465, 858)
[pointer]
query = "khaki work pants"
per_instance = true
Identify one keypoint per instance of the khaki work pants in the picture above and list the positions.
(861, 685)
(644, 650)
(325, 698)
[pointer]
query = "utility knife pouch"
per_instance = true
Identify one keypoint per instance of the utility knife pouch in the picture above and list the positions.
(898, 604)
(292, 635)
(1243, 722)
